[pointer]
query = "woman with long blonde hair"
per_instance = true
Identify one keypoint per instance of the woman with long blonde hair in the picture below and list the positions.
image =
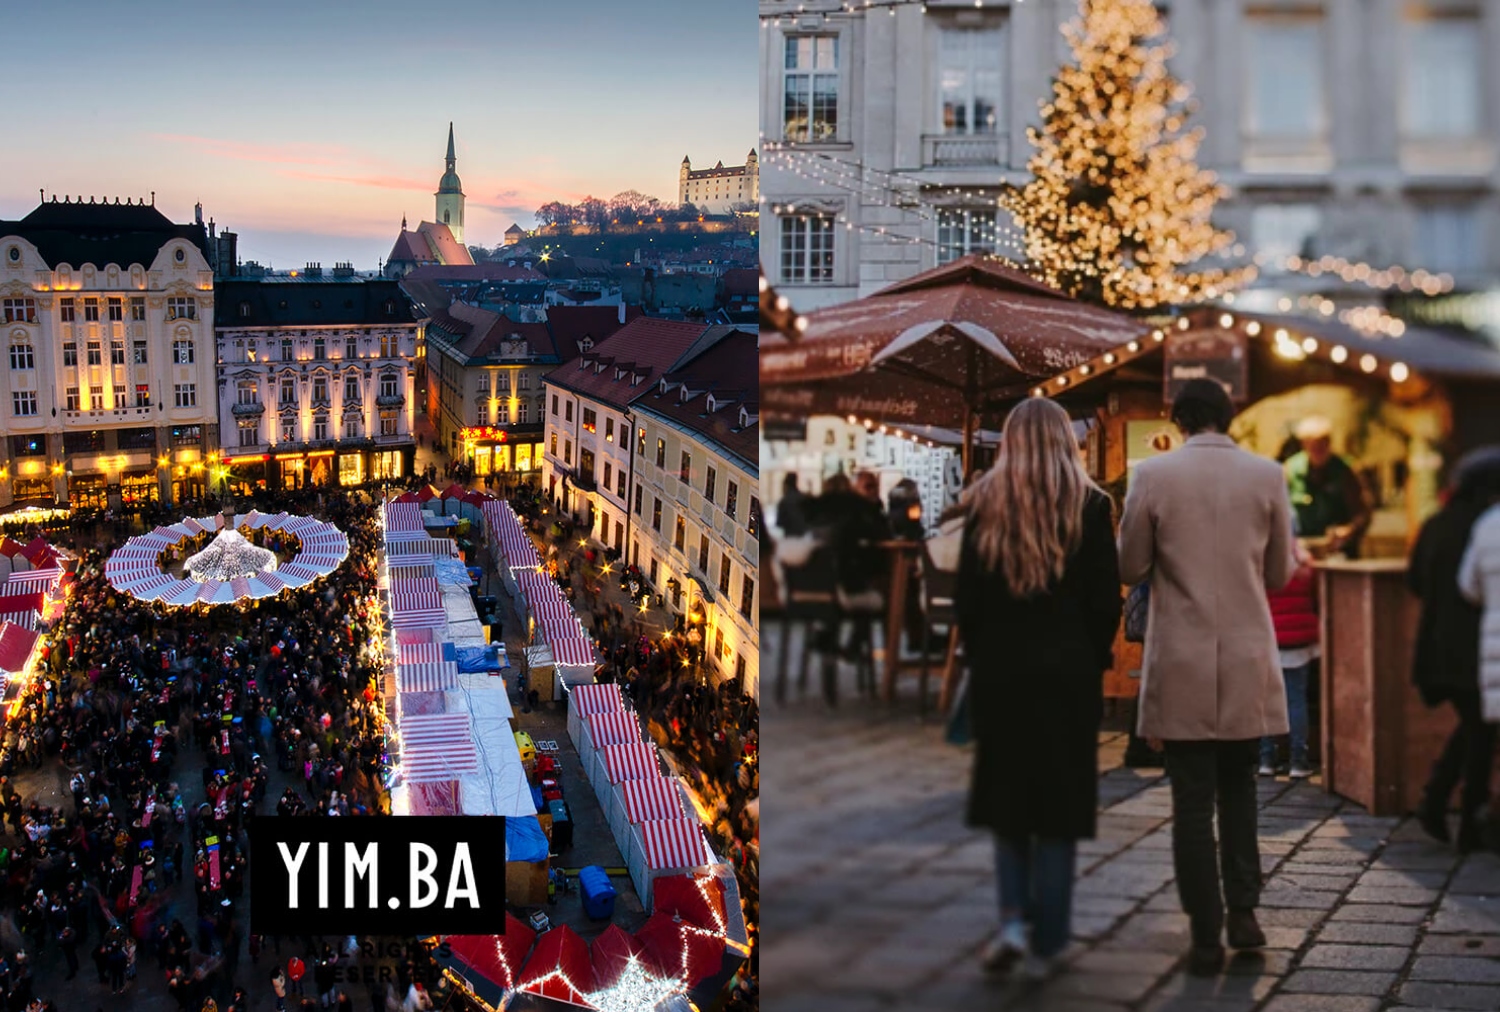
(1038, 607)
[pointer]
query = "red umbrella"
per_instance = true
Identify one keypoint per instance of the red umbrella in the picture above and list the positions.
(494, 958)
(698, 900)
(609, 954)
(672, 947)
(559, 968)
(453, 491)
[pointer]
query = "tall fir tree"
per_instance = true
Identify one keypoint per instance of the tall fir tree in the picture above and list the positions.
(1117, 208)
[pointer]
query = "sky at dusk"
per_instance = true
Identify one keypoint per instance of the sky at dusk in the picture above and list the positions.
(310, 128)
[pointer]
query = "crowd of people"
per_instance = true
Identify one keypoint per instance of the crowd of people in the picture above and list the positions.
(163, 720)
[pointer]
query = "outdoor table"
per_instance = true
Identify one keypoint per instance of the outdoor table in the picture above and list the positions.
(1379, 738)
(903, 554)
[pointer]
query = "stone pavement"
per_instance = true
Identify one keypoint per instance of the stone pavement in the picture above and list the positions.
(876, 896)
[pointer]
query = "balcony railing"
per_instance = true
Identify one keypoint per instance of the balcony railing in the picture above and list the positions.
(248, 408)
(390, 400)
(981, 150)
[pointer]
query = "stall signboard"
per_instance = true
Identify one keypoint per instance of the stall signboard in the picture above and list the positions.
(1218, 355)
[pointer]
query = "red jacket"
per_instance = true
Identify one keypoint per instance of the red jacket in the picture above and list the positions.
(1294, 611)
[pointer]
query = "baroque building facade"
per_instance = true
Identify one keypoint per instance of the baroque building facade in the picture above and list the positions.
(108, 390)
(315, 379)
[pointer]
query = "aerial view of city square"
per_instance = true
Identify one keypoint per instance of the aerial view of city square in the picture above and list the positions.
(380, 445)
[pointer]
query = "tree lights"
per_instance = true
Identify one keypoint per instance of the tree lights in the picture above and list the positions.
(1117, 207)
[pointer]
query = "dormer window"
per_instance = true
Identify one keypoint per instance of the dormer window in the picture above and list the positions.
(711, 404)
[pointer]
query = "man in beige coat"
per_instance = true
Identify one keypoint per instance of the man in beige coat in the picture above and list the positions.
(1210, 526)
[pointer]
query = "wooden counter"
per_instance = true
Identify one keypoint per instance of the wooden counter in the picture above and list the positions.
(1379, 739)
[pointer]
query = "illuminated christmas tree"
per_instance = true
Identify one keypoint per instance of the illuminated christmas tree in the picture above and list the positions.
(1118, 208)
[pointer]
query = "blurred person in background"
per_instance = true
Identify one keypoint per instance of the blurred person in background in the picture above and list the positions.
(791, 511)
(1038, 604)
(1446, 659)
(1328, 496)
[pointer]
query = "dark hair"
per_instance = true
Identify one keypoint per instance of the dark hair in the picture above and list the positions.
(1201, 406)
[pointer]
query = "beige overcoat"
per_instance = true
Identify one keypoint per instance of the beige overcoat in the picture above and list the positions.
(1210, 525)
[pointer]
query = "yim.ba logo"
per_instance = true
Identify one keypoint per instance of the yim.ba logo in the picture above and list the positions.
(426, 875)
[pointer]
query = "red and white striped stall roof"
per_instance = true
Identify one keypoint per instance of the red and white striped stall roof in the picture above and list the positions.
(304, 524)
(651, 799)
(16, 646)
(403, 522)
(419, 653)
(24, 619)
(416, 594)
(597, 698)
(573, 652)
(437, 746)
(407, 636)
(613, 729)
(674, 843)
(635, 761)
(440, 676)
(169, 534)
(425, 619)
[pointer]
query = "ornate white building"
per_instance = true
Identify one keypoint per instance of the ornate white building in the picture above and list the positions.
(107, 394)
(316, 379)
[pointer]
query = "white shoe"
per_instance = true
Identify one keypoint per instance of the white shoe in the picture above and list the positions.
(1037, 969)
(1267, 770)
(1005, 950)
(1301, 771)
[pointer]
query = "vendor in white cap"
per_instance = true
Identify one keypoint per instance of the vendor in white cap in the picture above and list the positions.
(1327, 495)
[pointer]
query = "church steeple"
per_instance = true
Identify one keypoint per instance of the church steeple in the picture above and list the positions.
(450, 194)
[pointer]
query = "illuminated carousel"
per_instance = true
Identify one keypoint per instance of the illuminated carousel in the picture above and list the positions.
(226, 558)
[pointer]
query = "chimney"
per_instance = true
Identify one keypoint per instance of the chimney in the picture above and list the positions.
(622, 312)
(314, 270)
(343, 270)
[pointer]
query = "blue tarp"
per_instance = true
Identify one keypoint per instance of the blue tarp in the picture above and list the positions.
(472, 660)
(524, 839)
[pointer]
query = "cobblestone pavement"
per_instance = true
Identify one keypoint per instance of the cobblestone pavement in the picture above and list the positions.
(878, 897)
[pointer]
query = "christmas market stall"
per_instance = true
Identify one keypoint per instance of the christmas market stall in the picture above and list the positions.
(1392, 405)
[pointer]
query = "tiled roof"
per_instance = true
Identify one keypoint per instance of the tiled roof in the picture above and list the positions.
(470, 272)
(725, 370)
(479, 332)
(645, 348)
(310, 303)
(76, 233)
(431, 243)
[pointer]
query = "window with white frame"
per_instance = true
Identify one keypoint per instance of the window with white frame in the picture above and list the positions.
(23, 310)
(119, 392)
(249, 431)
(289, 429)
(1448, 239)
(1280, 231)
(72, 401)
(137, 308)
(96, 398)
(245, 392)
(22, 356)
(810, 88)
(140, 353)
(320, 427)
(1286, 94)
(482, 413)
(962, 230)
(969, 79)
(807, 248)
(1440, 95)
(354, 428)
(23, 403)
(351, 388)
(320, 390)
(289, 391)
(182, 352)
(388, 423)
(388, 385)
(181, 308)
(521, 412)
(185, 395)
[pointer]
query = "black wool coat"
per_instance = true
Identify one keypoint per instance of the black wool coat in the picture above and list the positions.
(1036, 692)
(1445, 663)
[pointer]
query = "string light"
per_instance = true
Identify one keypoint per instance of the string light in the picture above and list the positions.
(636, 990)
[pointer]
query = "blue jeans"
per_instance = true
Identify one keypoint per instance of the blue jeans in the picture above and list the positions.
(1296, 712)
(1036, 886)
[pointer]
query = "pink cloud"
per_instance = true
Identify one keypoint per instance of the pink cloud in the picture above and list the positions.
(379, 182)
